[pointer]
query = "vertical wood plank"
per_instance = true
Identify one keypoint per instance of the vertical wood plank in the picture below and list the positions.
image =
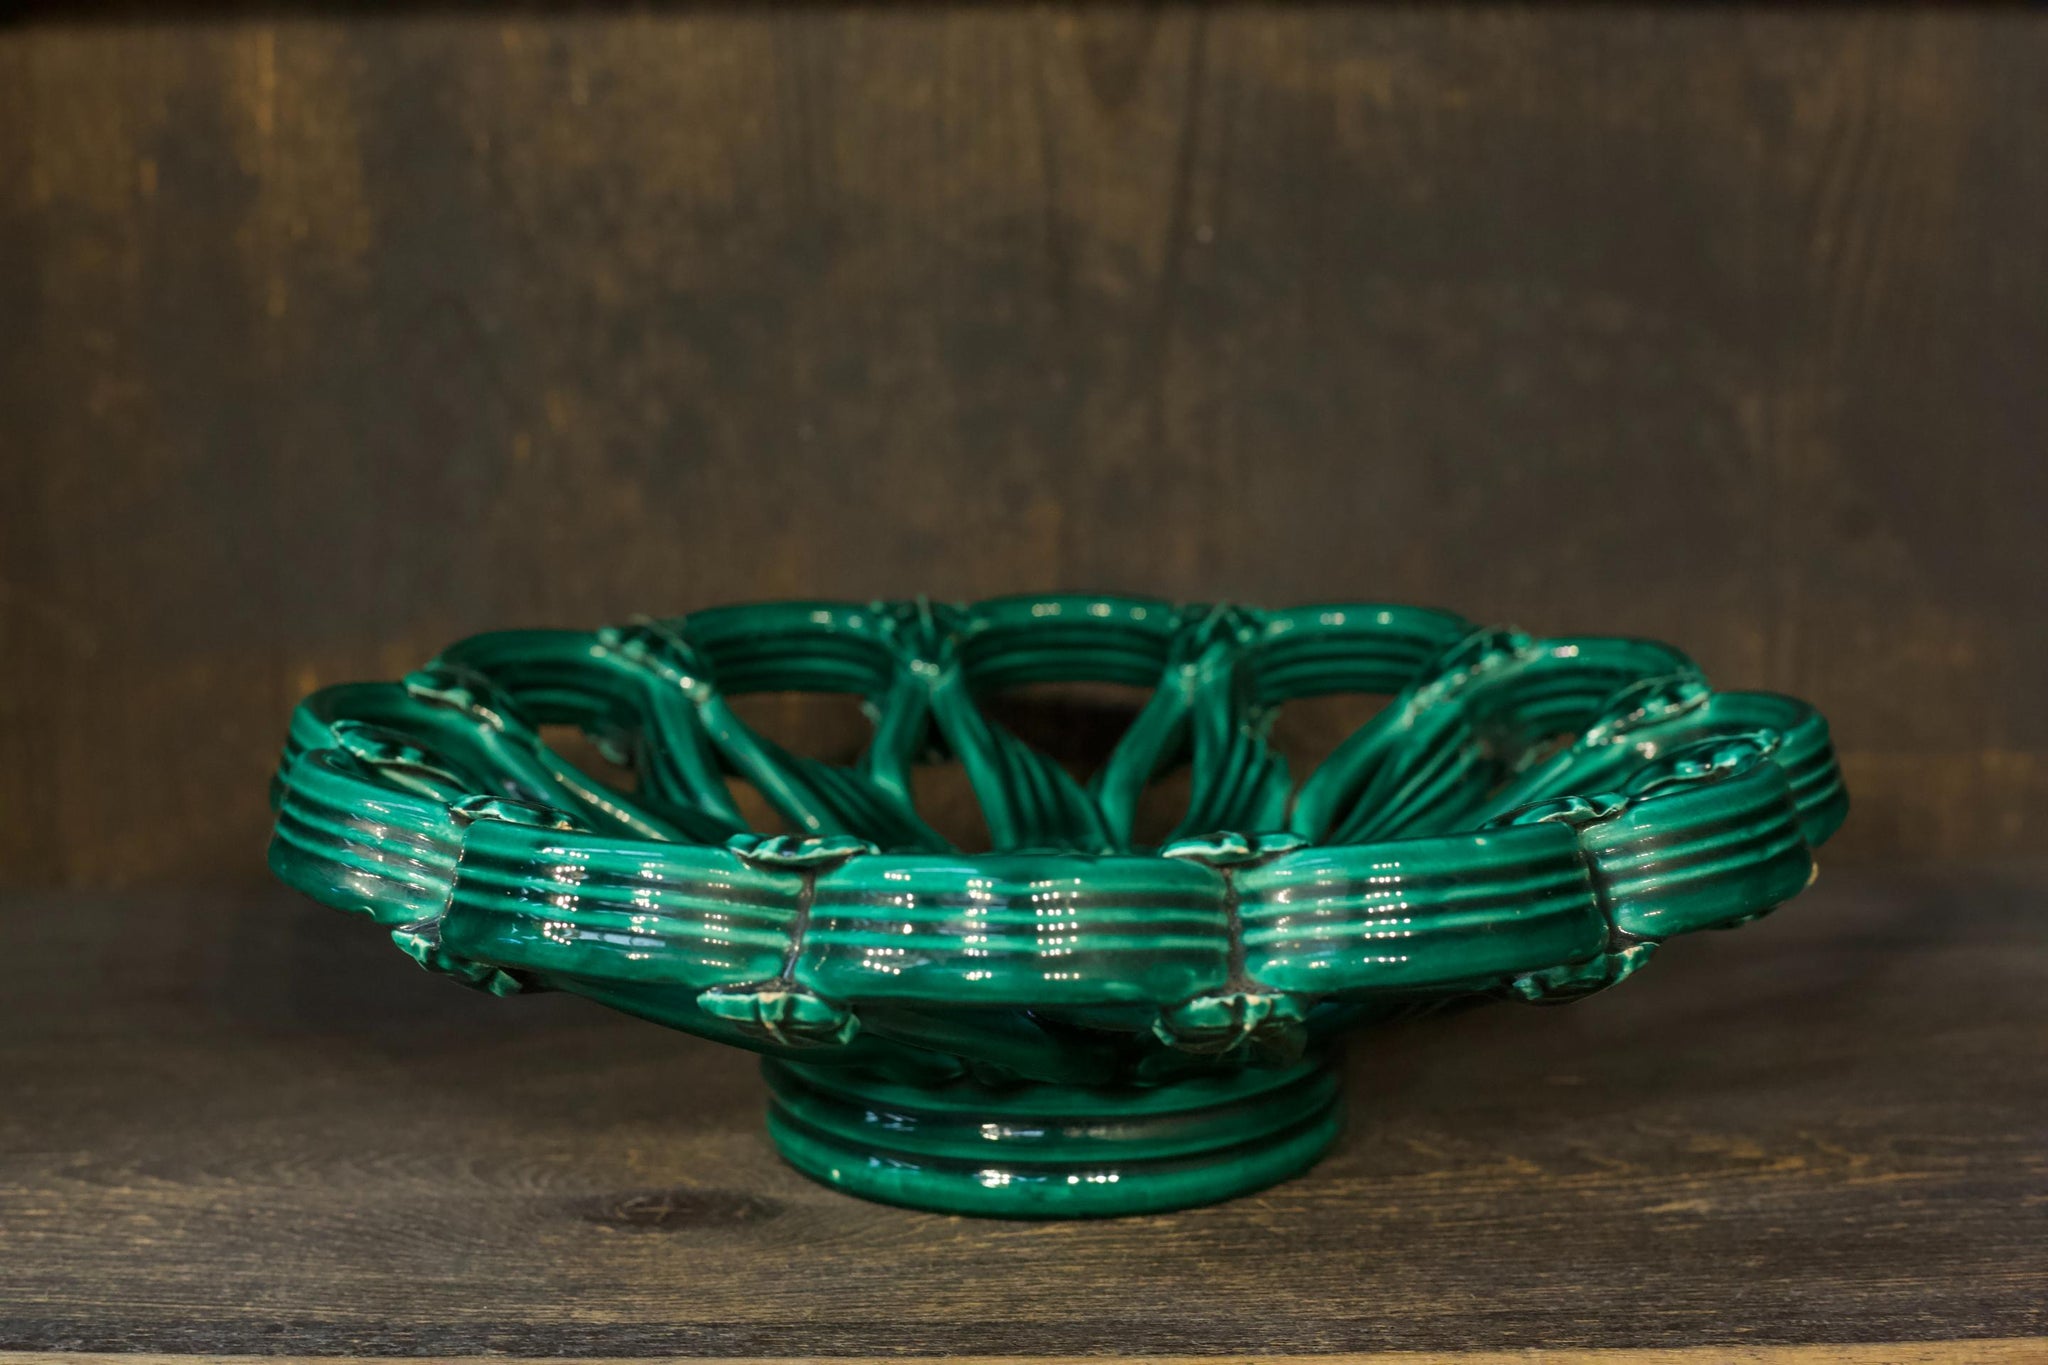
(334, 336)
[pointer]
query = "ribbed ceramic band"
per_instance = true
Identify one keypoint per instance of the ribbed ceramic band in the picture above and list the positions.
(1525, 816)
(1050, 1152)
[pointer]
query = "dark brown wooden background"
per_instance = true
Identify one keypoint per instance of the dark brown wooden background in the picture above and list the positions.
(329, 335)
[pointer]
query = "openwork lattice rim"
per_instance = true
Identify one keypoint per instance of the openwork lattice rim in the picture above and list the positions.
(1451, 845)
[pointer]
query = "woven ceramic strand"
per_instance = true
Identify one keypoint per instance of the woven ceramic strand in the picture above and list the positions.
(1428, 856)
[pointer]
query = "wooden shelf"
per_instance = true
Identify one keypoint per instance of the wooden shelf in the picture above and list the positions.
(242, 1124)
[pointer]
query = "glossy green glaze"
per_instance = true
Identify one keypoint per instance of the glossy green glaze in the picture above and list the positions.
(1049, 1151)
(1067, 1024)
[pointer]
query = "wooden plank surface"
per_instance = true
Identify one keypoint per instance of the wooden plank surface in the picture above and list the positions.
(1972, 1352)
(329, 333)
(245, 1125)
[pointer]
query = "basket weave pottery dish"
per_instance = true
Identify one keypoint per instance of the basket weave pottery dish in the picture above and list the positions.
(1069, 1023)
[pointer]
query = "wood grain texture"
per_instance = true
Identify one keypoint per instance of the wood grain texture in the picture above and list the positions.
(332, 335)
(1829, 1128)
(1973, 1352)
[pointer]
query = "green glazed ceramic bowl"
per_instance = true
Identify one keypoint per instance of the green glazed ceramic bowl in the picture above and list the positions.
(1070, 1023)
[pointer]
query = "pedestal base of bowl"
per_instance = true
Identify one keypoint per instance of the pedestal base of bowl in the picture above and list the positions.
(1052, 1151)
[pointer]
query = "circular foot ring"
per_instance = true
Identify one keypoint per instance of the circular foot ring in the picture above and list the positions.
(1051, 1151)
